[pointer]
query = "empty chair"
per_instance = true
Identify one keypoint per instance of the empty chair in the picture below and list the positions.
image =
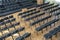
(9, 21)
(27, 4)
(37, 21)
(1, 39)
(34, 1)
(13, 19)
(52, 32)
(7, 27)
(16, 23)
(47, 36)
(11, 33)
(2, 7)
(9, 7)
(51, 7)
(26, 35)
(20, 38)
(46, 25)
(19, 3)
(13, 25)
(12, 6)
(27, 19)
(1, 20)
(54, 10)
(27, 12)
(36, 12)
(21, 29)
(23, 36)
(47, 5)
(5, 18)
(11, 16)
(18, 30)
(57, 14)
(2, 23)
(35, 5)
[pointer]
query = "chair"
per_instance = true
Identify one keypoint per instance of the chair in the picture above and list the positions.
(5, 18)
(52, 32)
(54, 10)
(36, 12)
(57, 14)
(51, 7)
(23, 36)
(26, 12)
(11, 33)
(13, 25)
(46, 25)
(34, 17)
(11, 16)
(47, 5)
(37, 21)
(26, 35)
(20, 38)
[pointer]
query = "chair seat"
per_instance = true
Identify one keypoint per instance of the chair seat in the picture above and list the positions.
(40, 20)
(26, 12)
(26, 15)
(52, 32)
(20, 38)
(26, 35)
(11, 33)
(51, 7)
(34, 17)
(46, 25)
(10, 12)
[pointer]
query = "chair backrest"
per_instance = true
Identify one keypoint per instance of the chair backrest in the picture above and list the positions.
(46, 25)
(37, 21)
(26, 15)
(12, 6)
(12, 32)
(30, 18)
(52, 33)
(26, 12)
(51, 7)
(23, 36)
